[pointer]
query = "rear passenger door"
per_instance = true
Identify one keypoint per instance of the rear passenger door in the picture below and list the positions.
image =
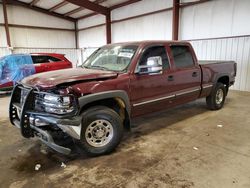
(187, 74)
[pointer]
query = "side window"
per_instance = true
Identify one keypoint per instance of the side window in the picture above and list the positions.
(182, 56)
(38, 59)
(156, 52)
(53, 59)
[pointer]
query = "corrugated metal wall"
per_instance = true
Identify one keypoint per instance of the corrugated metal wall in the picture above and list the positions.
(236, 49)
(36, 38)
(4, 51)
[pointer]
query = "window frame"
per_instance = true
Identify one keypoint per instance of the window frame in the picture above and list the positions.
(190, 50)
(151, 46)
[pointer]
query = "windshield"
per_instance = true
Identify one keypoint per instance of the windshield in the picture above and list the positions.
(113, 58)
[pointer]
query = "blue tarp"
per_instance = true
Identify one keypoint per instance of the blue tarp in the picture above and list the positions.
(15, 67)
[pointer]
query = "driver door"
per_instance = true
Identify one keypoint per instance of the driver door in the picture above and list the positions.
(150, 87)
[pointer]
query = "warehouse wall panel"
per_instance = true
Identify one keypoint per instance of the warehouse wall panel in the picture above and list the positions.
(94, 37)
(91, 21)
(3, 42)
(217, 18)
(4, 51)
(140, 7)
(236, 49)
(33, 38)
(24, 16)
(30, 38)
(1, 14)
(151, 27)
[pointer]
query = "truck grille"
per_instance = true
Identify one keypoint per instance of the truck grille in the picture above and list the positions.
(23, 96)
(39, 106)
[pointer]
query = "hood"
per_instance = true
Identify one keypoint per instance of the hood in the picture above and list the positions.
(54, 78)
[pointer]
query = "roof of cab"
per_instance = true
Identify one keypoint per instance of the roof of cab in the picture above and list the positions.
(148, 42)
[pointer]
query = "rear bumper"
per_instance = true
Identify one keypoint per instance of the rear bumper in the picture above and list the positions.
(33, 123)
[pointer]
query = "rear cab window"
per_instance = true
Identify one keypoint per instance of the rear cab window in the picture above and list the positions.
(182, 56)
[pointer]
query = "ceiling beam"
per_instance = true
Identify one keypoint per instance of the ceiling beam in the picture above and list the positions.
(81, 8)
(34, 2)
(112, 8)
(57, 6)
(45, 11)
(124, 4)
(91, 6)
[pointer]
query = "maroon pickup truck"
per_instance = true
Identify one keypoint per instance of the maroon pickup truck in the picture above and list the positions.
(95, 103)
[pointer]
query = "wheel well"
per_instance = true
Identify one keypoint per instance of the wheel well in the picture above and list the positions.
(117, 104)
(224, 80)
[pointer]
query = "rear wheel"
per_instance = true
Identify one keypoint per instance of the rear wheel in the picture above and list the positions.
(216, 99)
(102, 130)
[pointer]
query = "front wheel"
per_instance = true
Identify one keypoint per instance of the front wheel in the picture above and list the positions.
(102, 130)
(216, 99)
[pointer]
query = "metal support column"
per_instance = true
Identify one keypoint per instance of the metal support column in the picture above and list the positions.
(175, 21)
(6, 25)
(108, 28)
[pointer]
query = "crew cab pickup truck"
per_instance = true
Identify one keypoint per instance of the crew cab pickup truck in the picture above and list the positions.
(94, 104)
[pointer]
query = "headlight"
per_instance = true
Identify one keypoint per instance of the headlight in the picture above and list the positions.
(57, 99)
(56, 104)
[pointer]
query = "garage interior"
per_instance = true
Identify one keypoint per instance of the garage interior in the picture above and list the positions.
(187, 146)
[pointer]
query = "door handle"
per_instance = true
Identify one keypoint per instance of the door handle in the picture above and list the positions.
(171, 78)
(194, 74)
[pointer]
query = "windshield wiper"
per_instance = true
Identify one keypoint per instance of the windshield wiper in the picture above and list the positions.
(84, 66)
(98, 67)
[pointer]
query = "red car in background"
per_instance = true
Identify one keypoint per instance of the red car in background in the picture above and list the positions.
(41, 62)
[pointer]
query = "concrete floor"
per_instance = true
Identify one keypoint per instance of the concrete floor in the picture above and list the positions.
(182, 147)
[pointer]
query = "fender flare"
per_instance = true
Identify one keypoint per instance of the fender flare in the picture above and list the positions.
(218, 77)
(84, 100)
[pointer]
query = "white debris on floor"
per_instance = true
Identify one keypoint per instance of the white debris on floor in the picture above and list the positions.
(220, 126)
(63, 165)
(195, 148)
(38, 166)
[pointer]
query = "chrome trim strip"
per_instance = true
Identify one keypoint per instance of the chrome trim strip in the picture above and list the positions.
(154, 100)
(207, 86)
(186, 92)
(167, 97)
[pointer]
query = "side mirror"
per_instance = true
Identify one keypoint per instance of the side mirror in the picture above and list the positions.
(153, 66)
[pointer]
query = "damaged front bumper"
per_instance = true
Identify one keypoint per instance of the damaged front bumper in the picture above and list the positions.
(33, 123)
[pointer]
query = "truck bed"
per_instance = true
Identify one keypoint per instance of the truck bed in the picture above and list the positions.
(206, 62)
(213, 70)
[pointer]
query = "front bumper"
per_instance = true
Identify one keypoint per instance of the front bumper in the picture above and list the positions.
(23, 115)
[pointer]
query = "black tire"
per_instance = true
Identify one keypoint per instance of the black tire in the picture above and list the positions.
(106, 116)
(213, 102)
